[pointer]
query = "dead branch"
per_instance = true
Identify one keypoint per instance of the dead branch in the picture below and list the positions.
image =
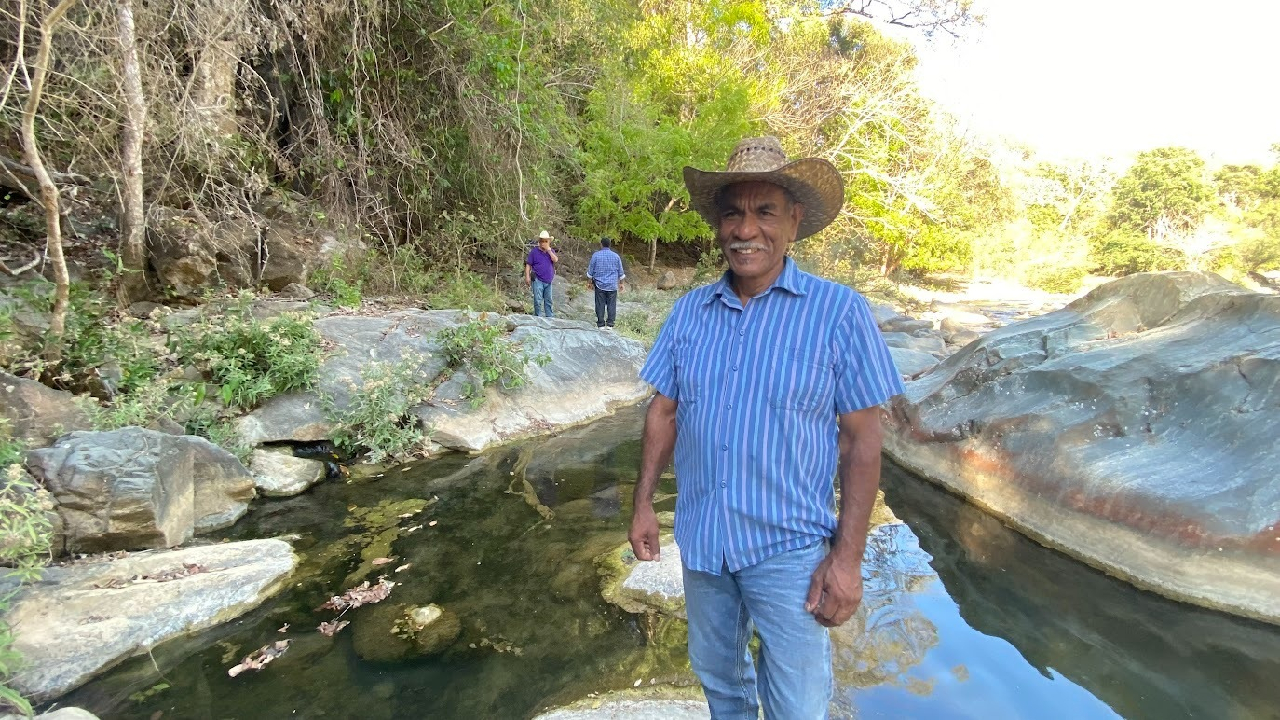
(16, 168)
(15, 272)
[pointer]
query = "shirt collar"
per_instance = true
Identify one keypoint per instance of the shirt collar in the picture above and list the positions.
(789, 280)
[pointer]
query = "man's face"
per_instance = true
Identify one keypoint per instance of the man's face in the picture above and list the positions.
(757, 223)
(544, 243)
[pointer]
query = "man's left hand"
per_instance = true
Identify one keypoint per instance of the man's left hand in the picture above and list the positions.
(835, 591)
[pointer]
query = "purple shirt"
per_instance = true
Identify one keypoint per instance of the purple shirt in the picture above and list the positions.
(540, 261)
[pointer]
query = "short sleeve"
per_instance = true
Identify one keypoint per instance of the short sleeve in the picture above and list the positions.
(865, 372)
(660, 367)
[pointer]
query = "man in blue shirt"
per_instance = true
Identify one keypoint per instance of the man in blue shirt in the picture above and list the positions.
(605, 274)
(539, 272)
(768, 383)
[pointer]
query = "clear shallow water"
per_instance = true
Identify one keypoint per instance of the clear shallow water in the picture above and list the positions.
(963, 618)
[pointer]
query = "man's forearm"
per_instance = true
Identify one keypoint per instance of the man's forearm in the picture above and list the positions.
(657, 444)
(859, 474)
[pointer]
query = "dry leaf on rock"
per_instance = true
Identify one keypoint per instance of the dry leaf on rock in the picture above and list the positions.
(259, 658)
(380, 561)
(329, 629)
(361, 594)
(405, 566)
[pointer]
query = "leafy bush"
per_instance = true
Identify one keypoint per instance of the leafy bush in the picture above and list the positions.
(25, 535)
(95, 336)
(1124, 252)
(1054, 277)
(465, 291)
(379, 419)
(249, 359)
(484, 352)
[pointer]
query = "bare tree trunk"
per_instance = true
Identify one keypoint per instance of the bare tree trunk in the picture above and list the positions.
(653, 244)
(48, 191)
(133, 250)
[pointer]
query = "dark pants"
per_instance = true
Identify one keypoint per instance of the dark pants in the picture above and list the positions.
(606, 300)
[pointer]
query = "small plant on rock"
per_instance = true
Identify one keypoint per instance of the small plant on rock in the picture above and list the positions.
(250, 359)
(379, 419)
(486, 353)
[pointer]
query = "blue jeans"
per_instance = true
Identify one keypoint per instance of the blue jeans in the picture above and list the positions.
(795, 651)
(542, 298)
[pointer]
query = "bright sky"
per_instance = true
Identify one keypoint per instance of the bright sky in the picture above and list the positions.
(1112, 77)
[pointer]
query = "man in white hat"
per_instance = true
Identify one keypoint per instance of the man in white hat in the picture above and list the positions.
(539, 272)
(768, 383)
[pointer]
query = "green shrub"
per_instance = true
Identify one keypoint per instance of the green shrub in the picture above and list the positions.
(379, 420)
(249, 359)
(464, 291)
(95, 335)
(487, 355)
(1054, 277)
(1124, 252)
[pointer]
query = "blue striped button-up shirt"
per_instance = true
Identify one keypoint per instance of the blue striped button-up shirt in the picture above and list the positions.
(758, 392)
(605, 269)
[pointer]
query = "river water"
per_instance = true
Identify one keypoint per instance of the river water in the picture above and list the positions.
(963, 618)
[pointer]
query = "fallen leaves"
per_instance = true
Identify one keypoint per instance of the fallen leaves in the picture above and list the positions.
(381, 561)
(329, 629)
(362, 594)
(403, 567)
(167, 575)
(261, 657)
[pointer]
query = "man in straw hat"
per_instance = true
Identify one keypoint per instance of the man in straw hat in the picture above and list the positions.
(767, 385)
(539, 272)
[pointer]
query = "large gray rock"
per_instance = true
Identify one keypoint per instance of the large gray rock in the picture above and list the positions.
(37, 413)
(1134, 429)
(911, 363)
(925, 343)
(82, 619)
(590, 373)
(135, 488)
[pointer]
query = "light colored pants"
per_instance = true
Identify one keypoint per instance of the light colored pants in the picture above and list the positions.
(542, 298)
(795, 651)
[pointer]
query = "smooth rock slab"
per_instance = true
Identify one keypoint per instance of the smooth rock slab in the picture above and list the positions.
(36, 413)
(911, 363)
(82, 619)
(1134, 429)
(627, 709)
(70, 713)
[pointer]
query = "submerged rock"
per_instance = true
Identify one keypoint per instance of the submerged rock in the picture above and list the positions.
(69, 713)
(135, 488)
(391, 632)
(84, 618)
(1134, 429)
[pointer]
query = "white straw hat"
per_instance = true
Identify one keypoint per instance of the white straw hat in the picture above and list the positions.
(814, 182)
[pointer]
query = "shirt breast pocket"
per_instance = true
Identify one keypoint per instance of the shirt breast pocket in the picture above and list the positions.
(688, 383)
(803, 381)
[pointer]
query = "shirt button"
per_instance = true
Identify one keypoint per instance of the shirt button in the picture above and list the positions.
(742, 332)
(724, 484)
(725, 448)
(729, 406)
(735, 368)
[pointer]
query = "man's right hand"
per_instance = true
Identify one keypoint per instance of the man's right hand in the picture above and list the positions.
(644, 534)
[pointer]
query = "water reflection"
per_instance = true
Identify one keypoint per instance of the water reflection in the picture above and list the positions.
(1141, 655)
(970, 620)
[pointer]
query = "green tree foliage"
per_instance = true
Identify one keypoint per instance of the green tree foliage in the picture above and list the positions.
(1166, 184)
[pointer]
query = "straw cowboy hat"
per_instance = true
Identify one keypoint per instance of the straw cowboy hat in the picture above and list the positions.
(815, 182)
(544, 235)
